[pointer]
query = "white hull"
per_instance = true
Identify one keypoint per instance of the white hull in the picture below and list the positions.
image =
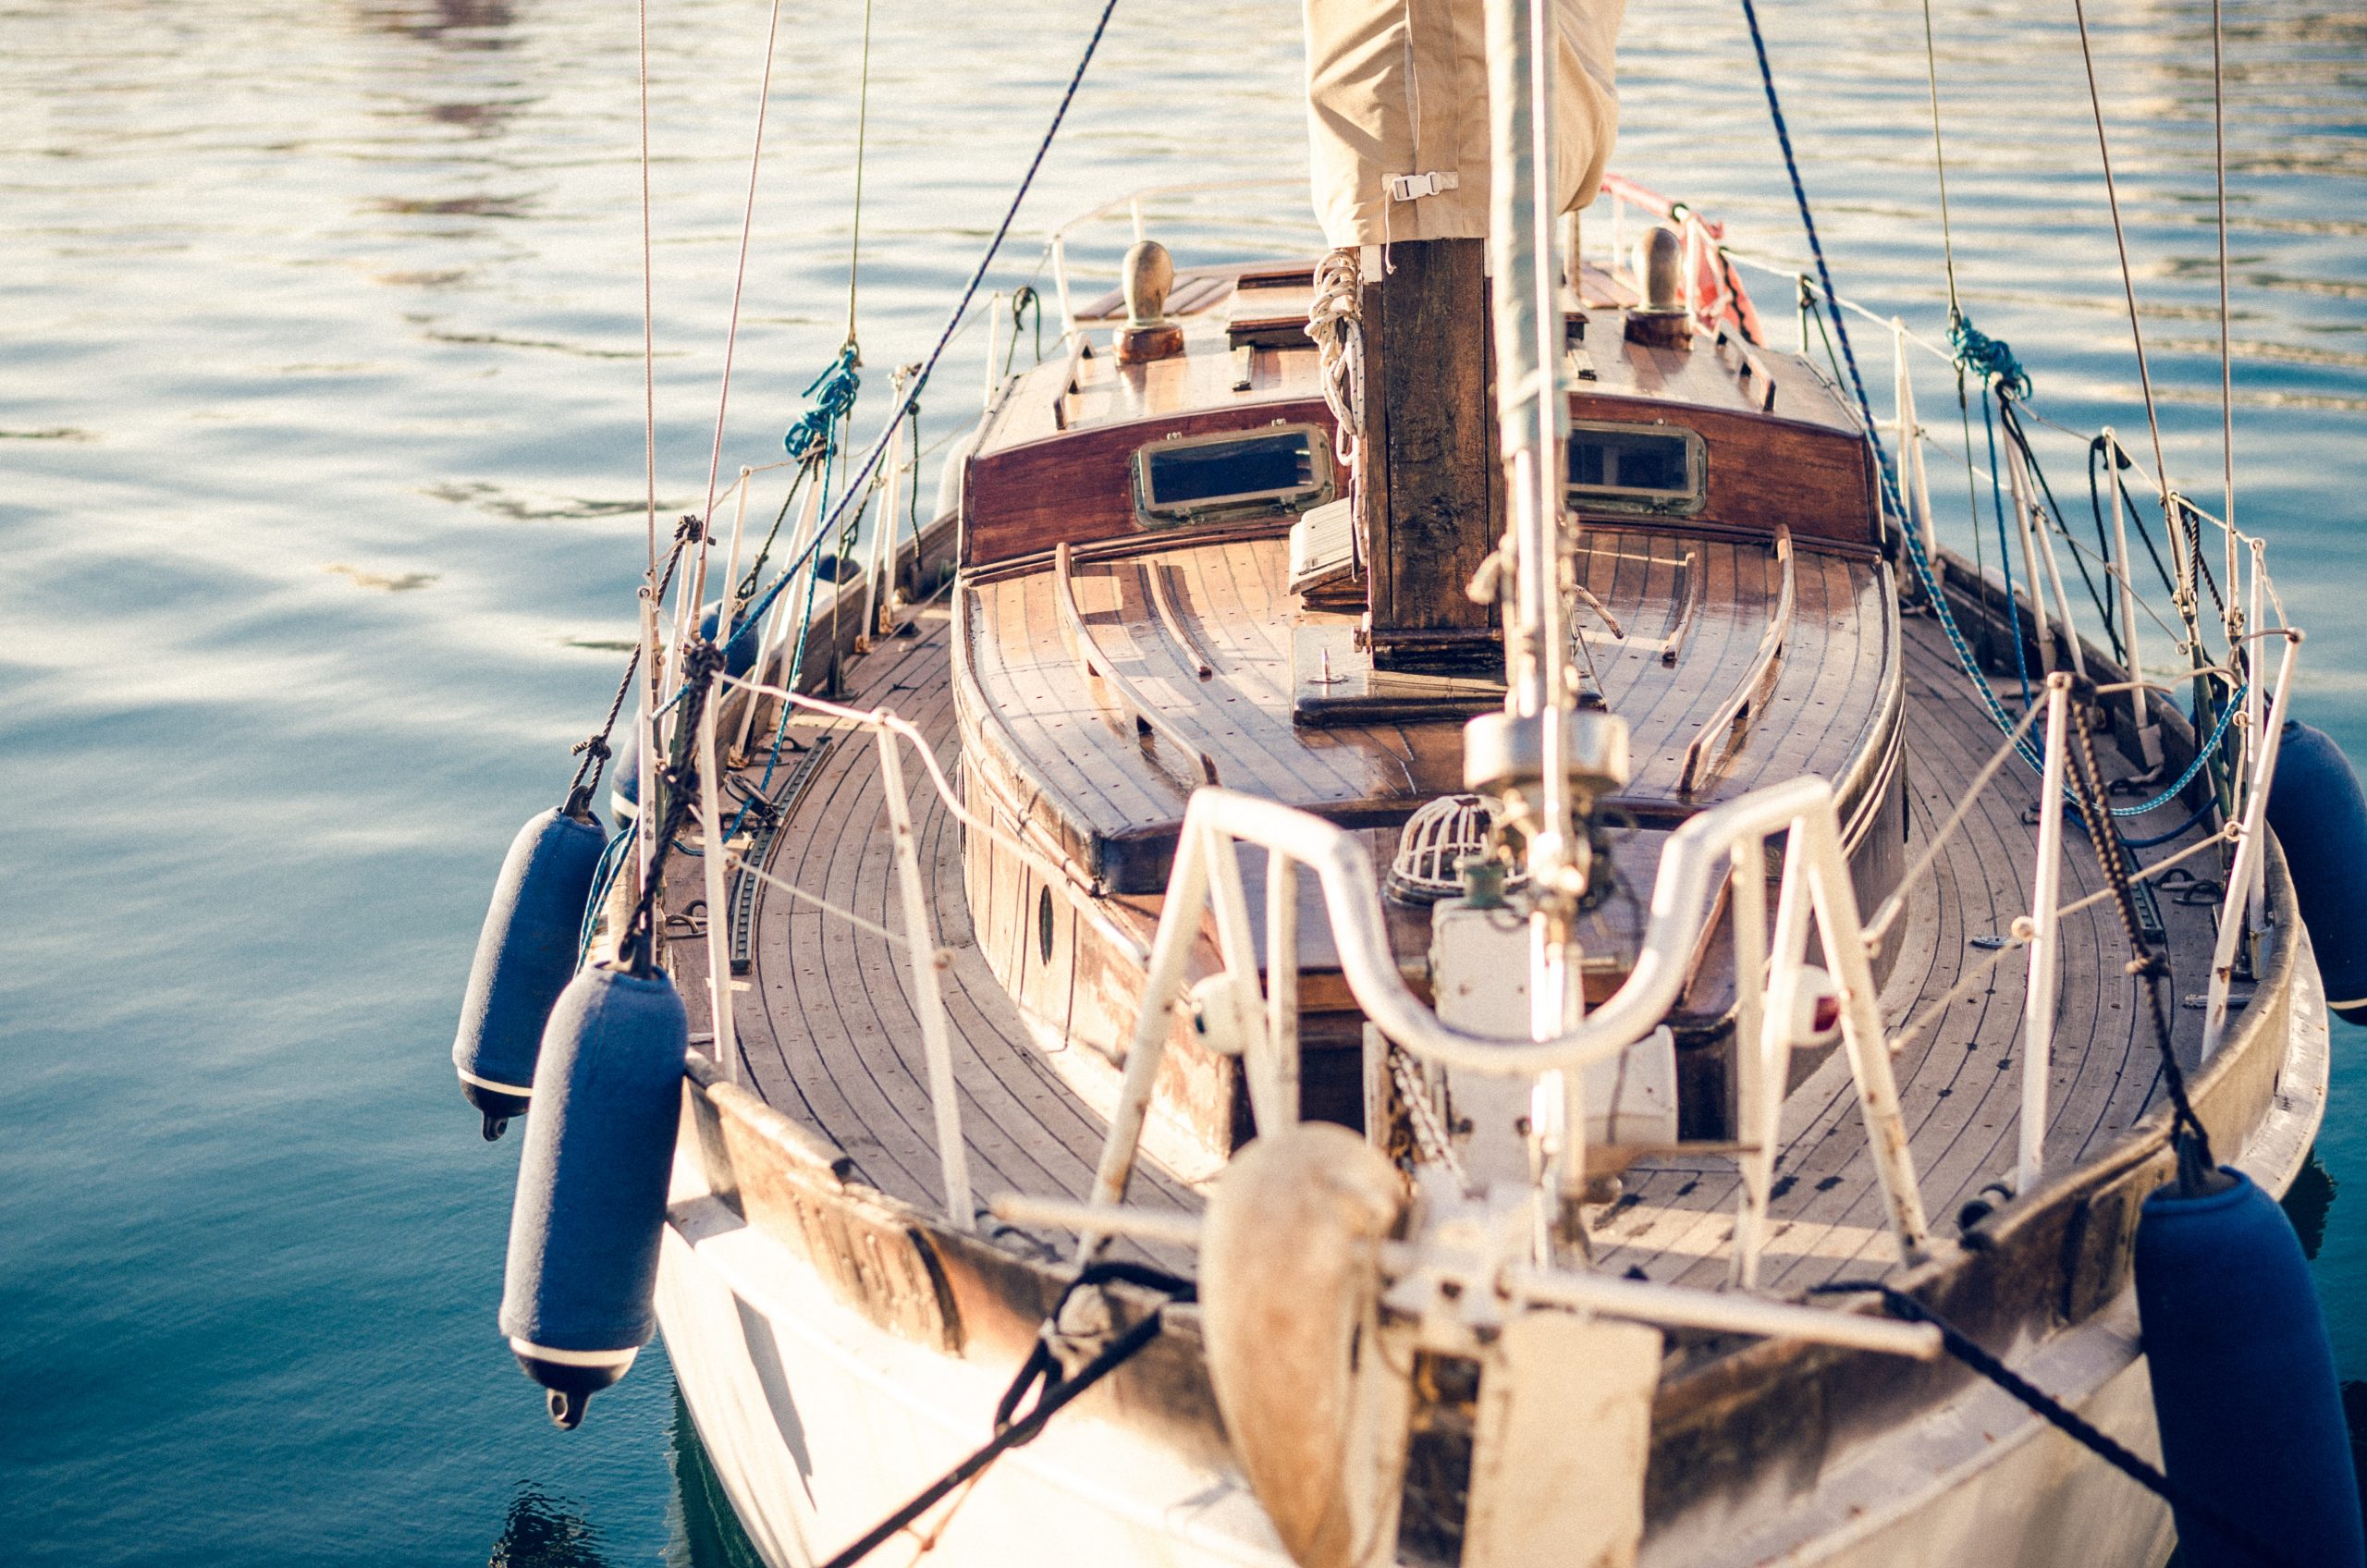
(819, 1423)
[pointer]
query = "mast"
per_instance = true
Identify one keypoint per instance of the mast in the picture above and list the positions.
(1531, 412)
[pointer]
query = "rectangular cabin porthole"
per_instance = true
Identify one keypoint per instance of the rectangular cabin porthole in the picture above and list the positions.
(1277, 469)
(1635, 468)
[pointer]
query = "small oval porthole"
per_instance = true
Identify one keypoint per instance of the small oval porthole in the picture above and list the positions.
(1043, 924)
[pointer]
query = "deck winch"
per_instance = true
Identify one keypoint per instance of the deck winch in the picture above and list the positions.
(2319, 816)
(579, 1299)
(525, 954)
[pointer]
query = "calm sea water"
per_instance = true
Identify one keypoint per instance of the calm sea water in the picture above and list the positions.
(319, 479)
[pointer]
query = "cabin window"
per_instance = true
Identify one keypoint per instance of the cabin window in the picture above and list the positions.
(1648, 468)
(1239, 473)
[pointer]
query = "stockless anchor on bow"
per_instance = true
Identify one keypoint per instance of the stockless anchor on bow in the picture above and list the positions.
(1722, 955)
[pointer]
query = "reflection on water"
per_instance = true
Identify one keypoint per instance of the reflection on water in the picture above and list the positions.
(545, 1532)
(711, 1536)
(2308, 1202)
(321, 435)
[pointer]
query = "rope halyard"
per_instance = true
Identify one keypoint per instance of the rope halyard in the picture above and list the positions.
(739, 273)
(970, 290)
(2120, 239)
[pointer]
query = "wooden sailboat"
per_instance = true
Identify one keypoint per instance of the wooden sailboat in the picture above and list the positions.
(1508, 1113)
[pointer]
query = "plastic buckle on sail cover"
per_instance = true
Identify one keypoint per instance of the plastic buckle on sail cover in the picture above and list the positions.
(1413, 186)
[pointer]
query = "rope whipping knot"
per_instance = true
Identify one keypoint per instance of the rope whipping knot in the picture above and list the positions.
(1992, 359)
(833, 393)
(691, 528)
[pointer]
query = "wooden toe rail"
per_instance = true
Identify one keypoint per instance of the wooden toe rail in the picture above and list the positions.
(1147, 718)
(1726, 725)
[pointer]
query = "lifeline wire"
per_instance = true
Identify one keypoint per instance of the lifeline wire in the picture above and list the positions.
(740, 276)
(855, 485)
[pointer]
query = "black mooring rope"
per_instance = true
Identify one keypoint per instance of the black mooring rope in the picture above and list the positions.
(701, 660)
(2147, 964)
(1040, 1372)
(1969, 1351)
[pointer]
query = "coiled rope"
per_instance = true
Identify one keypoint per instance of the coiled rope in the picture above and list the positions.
(1992, 359)
(833, 395)
(1335, 321)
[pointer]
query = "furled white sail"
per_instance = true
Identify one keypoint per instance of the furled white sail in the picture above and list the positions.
(1397, 114)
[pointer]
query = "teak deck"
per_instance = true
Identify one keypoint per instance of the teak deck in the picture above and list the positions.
(1692, 608)
(1087, 673)
(832, 1040)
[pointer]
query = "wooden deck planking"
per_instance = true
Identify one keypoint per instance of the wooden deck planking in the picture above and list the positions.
(1960, 1086)
(836, 1045)
(1071, 739)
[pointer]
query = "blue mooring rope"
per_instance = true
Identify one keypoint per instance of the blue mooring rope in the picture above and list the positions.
(833, 392)
(1891, 501)
(1992, 359)
(2201, 755)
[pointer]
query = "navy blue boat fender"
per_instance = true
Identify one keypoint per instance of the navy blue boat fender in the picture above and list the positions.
(747, 639)
(2318, 814)
(2244, 1389)
(525, 954)
(579, 1297)
(624, 783)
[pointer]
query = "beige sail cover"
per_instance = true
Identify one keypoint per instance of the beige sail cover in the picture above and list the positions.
(1397, 113)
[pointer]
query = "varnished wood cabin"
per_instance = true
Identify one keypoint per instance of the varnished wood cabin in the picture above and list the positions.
(1125, 629)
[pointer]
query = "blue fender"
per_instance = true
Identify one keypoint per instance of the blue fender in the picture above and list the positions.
(2320, 816)
(578, 1298)
(2244, 1388)
(525, 954)
(740, 653)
